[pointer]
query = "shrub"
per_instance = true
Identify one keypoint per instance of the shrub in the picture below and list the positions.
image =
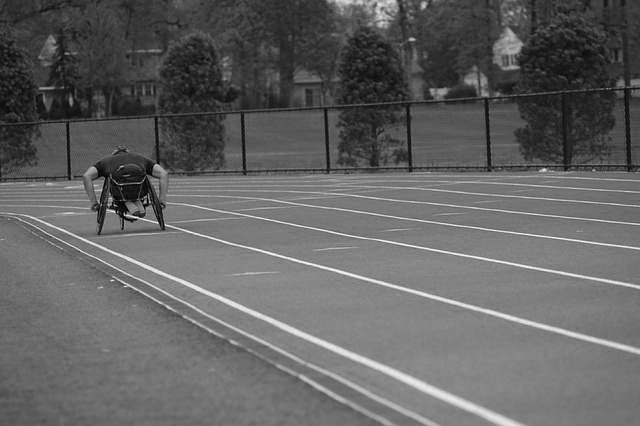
(18, 91)
(370, 71)
(192, 81)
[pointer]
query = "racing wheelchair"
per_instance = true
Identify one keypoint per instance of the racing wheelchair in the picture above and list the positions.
(128, 183)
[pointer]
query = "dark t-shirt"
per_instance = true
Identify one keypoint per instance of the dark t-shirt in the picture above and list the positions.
(109, 165)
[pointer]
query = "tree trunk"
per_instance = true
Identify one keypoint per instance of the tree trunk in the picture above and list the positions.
(287, 69)
(534, 15)
(626, 66)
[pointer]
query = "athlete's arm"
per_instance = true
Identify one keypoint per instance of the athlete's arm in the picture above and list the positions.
(160, 173)
(89, 176)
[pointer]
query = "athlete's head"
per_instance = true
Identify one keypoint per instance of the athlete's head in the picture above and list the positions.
(119, 149)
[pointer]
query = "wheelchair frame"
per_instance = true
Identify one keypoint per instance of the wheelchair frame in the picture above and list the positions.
(146, 194)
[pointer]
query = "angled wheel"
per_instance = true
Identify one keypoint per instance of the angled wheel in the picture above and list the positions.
(155, 203)
(104, 201)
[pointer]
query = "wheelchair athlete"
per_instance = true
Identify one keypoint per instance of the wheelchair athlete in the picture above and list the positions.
(121, 156)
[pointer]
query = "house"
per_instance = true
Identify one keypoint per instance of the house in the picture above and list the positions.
(308, 90)
(308, 87)
(505, 64)
(140, 78)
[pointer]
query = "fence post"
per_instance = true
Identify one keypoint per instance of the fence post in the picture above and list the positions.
(627, 127)
(409, 149)
(68, 150)
(326, 139)
(565, 141)
(487, 128)
(244, 144)
(157, 136)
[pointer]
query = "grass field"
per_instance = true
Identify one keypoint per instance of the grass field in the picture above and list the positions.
(443, 135)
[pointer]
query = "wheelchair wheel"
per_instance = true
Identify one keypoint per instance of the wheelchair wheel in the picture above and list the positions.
(104, 201)
(155, 203)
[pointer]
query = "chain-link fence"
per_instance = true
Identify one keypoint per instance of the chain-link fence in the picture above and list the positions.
(596, 129)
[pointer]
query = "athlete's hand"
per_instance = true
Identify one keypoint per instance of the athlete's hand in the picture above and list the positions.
(163, 205)
(95, 207)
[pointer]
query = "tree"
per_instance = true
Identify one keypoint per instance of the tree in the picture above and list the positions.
(18, 91)
(370, 71)
(287, 24)
(568, 53)
(192, 83)
(63, 74)
(101, 55)
(457, 35)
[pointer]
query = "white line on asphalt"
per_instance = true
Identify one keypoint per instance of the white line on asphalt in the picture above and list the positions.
(453, 225)
(336, 248)
(411, 381)
(497, 314)
(242, 274)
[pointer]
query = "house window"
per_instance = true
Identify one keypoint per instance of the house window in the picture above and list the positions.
(509, 60)
(615, 56)
(308, 97)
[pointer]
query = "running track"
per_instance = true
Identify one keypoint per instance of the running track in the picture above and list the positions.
(417, 299)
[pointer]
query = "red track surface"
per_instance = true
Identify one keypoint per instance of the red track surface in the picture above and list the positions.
(438, 299)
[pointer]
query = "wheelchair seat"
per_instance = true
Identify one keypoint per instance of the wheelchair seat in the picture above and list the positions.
(128, 183)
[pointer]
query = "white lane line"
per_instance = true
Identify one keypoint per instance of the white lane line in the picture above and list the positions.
(206, 220)
(305, 362)
(335, 248)
(244, 274)
(417, 188)
(569, 188)
(457, 206)
(262, 208)
(410, 381)
(452, 225)
(482, 194)
(451, 214)
(429, 249)
(138, 234)
(497, 314)
(400, 229)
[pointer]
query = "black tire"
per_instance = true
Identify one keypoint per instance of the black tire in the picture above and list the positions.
(104, 201)
(155, 203)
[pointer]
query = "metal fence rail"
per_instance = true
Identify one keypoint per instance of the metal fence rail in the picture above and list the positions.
(477, 133)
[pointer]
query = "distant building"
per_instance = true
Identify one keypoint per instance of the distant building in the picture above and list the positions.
(506, 69)
(308, 90)
(140, 78)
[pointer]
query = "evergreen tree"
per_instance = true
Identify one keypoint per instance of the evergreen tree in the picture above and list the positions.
(18, 91)
(567, 53)
(192, 83)
(370, 71)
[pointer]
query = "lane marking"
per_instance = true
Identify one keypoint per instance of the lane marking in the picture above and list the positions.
(570, 188)
(213, 219)
(415, 188)
(490, 312)
(242, 274)
(452, 225)
(251, 348)
(138, 234)
(412, 246)
(410, 381)
(400, 229)
(335, 248)
(261, 208)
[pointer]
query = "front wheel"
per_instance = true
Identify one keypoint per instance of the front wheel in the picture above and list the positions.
(155, 203)
(104, 201)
